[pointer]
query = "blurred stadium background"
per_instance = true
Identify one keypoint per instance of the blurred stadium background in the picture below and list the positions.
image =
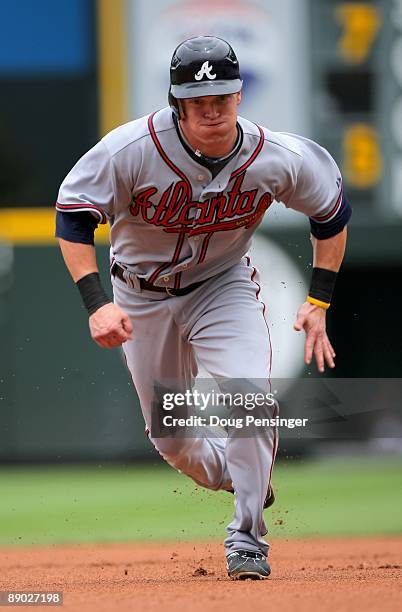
(74, 461)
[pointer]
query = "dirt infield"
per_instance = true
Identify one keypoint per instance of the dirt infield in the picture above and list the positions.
(353, 574)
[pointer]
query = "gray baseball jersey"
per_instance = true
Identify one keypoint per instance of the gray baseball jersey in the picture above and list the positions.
(175, 224)
(171, 221)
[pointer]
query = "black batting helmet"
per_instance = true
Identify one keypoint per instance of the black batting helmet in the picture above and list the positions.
(203, 66)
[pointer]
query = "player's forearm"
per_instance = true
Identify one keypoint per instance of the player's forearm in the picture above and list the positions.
(80, 259)
(329, 253)
(328, 257)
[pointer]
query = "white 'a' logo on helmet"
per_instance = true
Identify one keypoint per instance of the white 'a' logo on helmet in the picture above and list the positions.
(205, 69)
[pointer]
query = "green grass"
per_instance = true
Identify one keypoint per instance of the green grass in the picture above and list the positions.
(78, 504)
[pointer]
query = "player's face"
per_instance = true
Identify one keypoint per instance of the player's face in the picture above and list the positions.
(210, 121)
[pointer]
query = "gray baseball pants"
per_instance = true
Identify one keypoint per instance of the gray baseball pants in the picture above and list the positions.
(221, 325)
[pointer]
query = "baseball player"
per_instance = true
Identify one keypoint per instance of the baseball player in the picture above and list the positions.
(184, 189)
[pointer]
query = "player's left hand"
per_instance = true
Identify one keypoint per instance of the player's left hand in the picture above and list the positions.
(312, 318)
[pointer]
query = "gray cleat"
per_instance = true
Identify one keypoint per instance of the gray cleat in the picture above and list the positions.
(247, 565)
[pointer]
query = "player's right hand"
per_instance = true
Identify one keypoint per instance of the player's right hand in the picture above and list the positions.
(110, 326)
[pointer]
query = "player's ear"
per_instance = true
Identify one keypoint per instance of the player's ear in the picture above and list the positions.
(238, 97)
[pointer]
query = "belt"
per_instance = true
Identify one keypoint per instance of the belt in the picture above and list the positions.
(144, 284)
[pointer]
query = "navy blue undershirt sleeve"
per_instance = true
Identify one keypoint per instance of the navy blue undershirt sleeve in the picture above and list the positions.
(335, 226)
(76, 226)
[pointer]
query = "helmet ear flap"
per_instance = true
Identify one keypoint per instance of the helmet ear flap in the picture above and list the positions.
(175, 105)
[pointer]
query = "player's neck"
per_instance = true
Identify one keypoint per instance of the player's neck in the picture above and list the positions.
(221, 147)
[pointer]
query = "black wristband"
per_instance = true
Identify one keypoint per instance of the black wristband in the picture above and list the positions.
(92, 293)
(322, 285)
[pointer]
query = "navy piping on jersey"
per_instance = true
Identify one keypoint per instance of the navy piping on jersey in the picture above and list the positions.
(181, 174)
(81, 208)
(326, 229)
(204, 248)
(214, 165)
(256, 152)
(175, 258)
(162, 153)
(177, 280)
(180, 240)
(331, 213)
